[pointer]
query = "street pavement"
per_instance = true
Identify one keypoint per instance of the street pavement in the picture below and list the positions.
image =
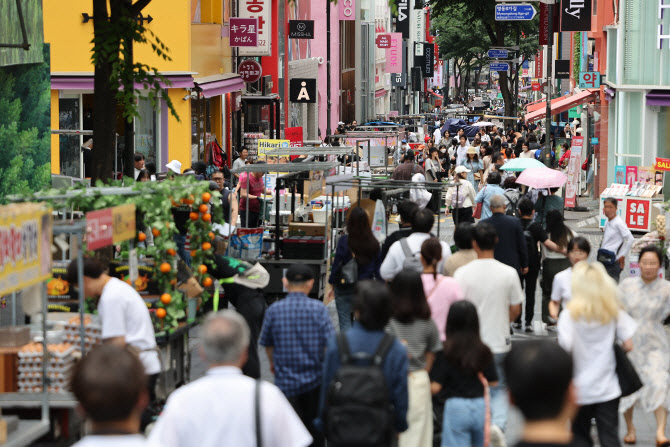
(583, 223)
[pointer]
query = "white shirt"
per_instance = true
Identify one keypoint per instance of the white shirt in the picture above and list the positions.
(124, 314)
(137, 172)
(218, 410)
(485, 137)
(591, 345)
(465, 187)
(113, 441)
(437, 136)
(461, 154)
(617, 234)
(395, 257)
(526, 154)
(238, 163)
(561, 288)
(492, 294)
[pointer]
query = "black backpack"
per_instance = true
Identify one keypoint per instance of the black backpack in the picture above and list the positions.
(512, 209)
(531, 246)
(358, 410)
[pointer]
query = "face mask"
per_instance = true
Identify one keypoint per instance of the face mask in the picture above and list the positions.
(443, 150)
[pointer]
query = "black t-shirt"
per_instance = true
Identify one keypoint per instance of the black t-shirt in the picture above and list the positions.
(394, 237)
(457, 382)
(538, 235)
(540, 444)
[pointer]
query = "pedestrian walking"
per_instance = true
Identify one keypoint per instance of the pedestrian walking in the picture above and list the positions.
(240, 162)
(617, 240)
(465, 254)
(246, 410)
(407, 169)
(433, 169)
(525, 151)
(554, 261)
(358, 254)
(511, 247)
(491, 189)
(406, 210)
(588, 328)
(561, 289)
(461, 150)
(474, 166)
(441, 291)
(461, 377)
(460, 197)
(546, 203)
(647, 299)
(295, 333)
(498, 300)
(512, 196)
(411, 323)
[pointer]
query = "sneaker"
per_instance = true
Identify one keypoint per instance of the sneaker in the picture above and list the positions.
(516, 325)
(497, 437)
(529, 328)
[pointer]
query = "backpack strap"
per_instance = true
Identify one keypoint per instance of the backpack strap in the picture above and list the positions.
(405, 248)
(257, 413)
(383, 349)
(343, 348)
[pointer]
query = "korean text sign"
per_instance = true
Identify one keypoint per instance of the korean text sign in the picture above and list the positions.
(261, 10)
(589, 79)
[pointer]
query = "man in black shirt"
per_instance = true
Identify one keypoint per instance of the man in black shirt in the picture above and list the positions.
(539, 379)
(511, 248)
(406, 210)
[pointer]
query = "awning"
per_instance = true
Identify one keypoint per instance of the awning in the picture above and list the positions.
(435, 94)
(658, 98)
(85, 81)
(558, 105)
(380, 92)
(220, 84)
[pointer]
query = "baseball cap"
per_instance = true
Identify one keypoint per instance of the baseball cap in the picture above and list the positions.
(299, 273)
(504, 144)
(404, 141)
(461, 169)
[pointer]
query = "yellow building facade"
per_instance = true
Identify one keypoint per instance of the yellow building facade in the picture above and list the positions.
(199, 71)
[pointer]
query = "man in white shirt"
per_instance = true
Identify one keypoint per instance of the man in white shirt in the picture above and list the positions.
(139, 164)
(617, 240)
(422, 223)
(224, 407)
(484, 136)
(495, 290)
(109, 384)
(240, 162)
(462, 150)
(437, 134)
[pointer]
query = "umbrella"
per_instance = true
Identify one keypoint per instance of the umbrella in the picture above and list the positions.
(483, 124)
(521, 164)
(540, 178)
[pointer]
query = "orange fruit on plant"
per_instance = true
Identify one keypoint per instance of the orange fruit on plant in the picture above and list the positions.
(207, 282)
(212, 235)
(165, 267)
(141, 237)
(166, 298)
(207, 217)
(206, 197)
(161, 313)
(156, 232)
(193, 253)
(203, 208)
(206, 246)
(173, 281)
(193, 216)
(202, 268)
(171, 251)
(189, 200)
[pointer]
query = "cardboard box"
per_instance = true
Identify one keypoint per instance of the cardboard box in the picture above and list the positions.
(306, 229)
(14, 336)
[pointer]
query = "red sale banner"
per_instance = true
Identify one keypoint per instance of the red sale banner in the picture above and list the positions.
(638, 213)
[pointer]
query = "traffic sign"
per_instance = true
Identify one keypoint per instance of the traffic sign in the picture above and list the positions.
(499, 66)
(497, 53)
(512, 12)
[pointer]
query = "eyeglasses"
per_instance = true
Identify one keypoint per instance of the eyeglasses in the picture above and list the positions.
(217, 179)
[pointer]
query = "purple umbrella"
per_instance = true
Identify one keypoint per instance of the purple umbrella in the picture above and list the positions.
(540, 178)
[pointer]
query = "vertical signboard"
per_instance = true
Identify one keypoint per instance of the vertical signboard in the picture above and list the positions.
(574, 165)
(428, 50)
(419, 31)
(576, 15)
(347, 9)
(262, 11)
(539, 62)
(402, 19)
(394, 54)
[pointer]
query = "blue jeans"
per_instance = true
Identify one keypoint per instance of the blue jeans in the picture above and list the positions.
(180, 240)
(499, 401)
(463, 422)
(344, 297)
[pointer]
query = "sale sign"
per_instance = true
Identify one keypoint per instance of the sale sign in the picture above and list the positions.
(394, 54)
(574, 165)
(638, 213)
(662, 164)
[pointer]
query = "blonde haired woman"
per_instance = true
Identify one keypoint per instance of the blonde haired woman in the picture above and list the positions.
(588, 328)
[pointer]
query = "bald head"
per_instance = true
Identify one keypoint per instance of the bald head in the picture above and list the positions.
(225, 338)
(497, 204)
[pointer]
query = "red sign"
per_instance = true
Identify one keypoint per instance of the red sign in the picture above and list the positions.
(662, 164)
(294, 135)
(99, 231)
(250, 71)
(637, 214)
(536, 86)
(243, 32)
(544, 24)
(539, 62)
(383, 41)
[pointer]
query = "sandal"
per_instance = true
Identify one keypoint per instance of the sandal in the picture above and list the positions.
(630, 439)
(665, 443)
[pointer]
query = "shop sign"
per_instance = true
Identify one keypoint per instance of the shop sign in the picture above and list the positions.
(402, 19)
(25, 246)
(398, 80)
(589, 79)
(662, 164)
(539, 62)
(347, 10)
(394, 54)
(536, 87)
(301, 29)
(637, 213)
(110, 226)
(260, 10)
(383, 41)
(265, 145)
(562, 69)
(302, 90)
(123, 223)
(574, 166)
(243, 32)
(575, 15)
(428, 55)
(419, 31)
(294, 135)
(250, 71)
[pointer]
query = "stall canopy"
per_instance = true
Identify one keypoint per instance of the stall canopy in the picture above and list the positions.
(538, 111)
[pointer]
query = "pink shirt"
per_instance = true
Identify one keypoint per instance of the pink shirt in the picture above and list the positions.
(448, 291)
(256, 188)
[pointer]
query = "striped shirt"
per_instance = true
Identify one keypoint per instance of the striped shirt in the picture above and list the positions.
(419, 337)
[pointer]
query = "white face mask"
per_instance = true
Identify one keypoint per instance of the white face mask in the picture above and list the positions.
(443, 150)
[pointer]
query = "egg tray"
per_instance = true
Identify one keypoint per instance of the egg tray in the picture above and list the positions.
(53, 354)
(90, 329)
(60, 368)
(32, 382)
(38, 389)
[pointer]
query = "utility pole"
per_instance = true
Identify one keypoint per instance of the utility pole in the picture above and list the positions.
(328, 67)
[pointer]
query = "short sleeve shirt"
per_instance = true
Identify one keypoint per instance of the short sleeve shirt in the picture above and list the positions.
(419, 337)
(256, 187)
(459, 383)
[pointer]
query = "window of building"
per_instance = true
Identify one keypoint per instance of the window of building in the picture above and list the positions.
(146, 131)
(644, 63)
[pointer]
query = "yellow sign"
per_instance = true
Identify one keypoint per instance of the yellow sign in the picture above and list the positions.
(265, 146)
(25, 246)
(123, 223)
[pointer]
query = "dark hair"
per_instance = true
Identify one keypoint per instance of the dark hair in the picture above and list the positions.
(362, 242)
(92, 268)
(475, 158)
(553, 190)
(423, 221)
(463, 236)
(409, 155)
(566, 146)
(376, 194)
(613, 201)
(493, 178)
(510, 183)
(431, 250)
(373, 303)
(579, 243)
(463, 136)
(653, 249)
(525, 206)
(560, 233)
(140, 175)
(538, 374)
(408, 300)
(532, 138)
(139, 156)
(464, 347)
(431, 150)
(496, 157)
(485, 235)
(108, 383)
(150, 166)
(454, 142)
(406, 209)
(199, 167)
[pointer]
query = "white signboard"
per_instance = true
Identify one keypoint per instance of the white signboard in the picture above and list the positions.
(419, 31)
(261, 10)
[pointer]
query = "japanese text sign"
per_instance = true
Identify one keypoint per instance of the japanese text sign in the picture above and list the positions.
(589, 79)
(260, 10)
(243, 32)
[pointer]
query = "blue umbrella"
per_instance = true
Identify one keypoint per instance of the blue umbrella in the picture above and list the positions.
(520, 164)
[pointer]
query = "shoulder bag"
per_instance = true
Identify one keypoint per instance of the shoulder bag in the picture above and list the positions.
(349, 273)
(629, 380)
(477, 213)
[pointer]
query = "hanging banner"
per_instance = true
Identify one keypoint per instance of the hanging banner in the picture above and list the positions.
(574, 165)
(438, 75)
(262, 11)
(576, 15)
(347, 10)
(539, 62)
(428, 55)
(394, 54)
(402, 19)
(294, 135)
(419, 31)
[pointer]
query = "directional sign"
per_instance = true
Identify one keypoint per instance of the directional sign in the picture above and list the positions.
(499, 66)
(497, 53)
(511, 12)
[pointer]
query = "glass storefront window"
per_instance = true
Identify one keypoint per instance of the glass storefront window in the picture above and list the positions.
(146, 130)
(68, 119)
(644, 63)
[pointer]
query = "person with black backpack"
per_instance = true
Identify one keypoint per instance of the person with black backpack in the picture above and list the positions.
(364, 396)
(512, 196)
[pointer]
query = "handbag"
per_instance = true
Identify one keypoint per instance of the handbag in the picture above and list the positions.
(629, 380)
(477, 213)
(606, 257)
(349, 273)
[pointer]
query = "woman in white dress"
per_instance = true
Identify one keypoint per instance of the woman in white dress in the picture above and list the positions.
(647, 299)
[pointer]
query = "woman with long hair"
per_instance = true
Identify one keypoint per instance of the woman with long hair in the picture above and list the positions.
(588, 328)
(358, 245)
(554, 261)
(461, 197)
(459, 378)
(474, 165)
(412, 325)
(561, 289)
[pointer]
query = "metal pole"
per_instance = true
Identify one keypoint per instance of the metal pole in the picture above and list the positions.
(516, 81)
(328, 104)
(80, 283)
(45, 353)
(550, 55)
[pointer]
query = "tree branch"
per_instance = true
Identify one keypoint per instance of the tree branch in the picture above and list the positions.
(139, 6)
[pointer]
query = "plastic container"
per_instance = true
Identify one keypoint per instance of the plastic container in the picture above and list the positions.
(303, 247)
